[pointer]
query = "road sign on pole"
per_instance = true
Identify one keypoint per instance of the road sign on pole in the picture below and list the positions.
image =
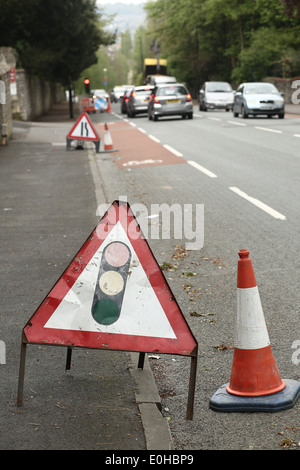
(113, 295)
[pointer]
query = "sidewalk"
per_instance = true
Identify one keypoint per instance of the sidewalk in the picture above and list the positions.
(48, 209)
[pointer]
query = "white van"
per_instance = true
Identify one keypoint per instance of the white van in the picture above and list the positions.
(159, 79)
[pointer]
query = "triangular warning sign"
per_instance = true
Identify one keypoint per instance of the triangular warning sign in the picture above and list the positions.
(83, 129)
(113, 295)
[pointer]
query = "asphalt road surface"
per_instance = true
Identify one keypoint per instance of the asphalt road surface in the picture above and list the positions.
(246, 174)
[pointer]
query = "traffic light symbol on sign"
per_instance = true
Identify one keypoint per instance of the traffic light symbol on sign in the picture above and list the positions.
(111, 283)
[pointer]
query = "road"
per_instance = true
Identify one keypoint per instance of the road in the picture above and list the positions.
(246, 174)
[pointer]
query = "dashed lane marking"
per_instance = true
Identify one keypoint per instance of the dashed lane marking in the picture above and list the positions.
(202, 169)
(257, 203)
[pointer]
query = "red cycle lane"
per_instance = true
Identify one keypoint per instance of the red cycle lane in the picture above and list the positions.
(135, 149)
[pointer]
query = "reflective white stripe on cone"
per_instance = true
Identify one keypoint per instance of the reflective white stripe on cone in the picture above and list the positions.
(108, 145)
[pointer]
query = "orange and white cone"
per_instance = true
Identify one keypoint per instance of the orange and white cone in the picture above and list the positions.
(108, 109)
(254, 371)
(255, 383)
(108, 145)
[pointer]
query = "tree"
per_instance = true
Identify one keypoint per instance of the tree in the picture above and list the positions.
(55, 40)
(230, 40)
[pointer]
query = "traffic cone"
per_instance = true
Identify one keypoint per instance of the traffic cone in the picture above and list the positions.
(255, 383)
(108, 109)
(108, 145)
(254, 371)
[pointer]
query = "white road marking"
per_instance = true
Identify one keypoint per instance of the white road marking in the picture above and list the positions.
(201, 168)
(259, 204)
(214, 119)
(154, 138)
(115, 114)
(238, 123)
(168, 147)
(268, 129)
(142, 130)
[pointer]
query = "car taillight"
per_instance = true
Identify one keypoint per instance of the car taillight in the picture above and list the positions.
(156, 100)
(134, 94)
(188, 97)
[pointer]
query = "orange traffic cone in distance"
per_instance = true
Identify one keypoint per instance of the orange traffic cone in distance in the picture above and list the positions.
(108, 110)
(254, 371)
(108, 145)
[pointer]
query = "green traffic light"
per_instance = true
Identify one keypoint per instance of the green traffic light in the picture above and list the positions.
(105, 311)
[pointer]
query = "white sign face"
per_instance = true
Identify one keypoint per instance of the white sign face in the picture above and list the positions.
(83, 130)
(141, 313)
(13, 88)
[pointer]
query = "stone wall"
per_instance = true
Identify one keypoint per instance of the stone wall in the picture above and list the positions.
(33, 98)
(7, 60)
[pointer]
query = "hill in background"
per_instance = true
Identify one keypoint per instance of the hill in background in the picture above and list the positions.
(128, 16)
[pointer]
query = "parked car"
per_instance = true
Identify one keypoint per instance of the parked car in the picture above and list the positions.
(116, 94)
(124, 98)
(216, 95)
(99, 94)
(170, 100)
(138, 100)
(258, 98)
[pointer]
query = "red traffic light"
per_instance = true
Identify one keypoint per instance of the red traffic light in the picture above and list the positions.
(86, 81)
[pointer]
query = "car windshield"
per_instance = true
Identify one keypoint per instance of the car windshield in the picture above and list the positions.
(260, 88)
(99, 92)
(145, 91)
(215, 87)
(171, 90)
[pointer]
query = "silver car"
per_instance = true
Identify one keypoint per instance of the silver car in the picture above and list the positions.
(138, 100)
(170, 100)
(216, 95)
(258, 98)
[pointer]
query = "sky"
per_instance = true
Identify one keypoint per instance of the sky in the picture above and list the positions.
(102, 2)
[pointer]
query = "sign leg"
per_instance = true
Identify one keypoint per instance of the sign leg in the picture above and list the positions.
(141, 360)
(69, 357)
(21, 373)
(192, 386)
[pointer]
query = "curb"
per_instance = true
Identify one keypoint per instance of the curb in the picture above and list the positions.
(156, 427)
